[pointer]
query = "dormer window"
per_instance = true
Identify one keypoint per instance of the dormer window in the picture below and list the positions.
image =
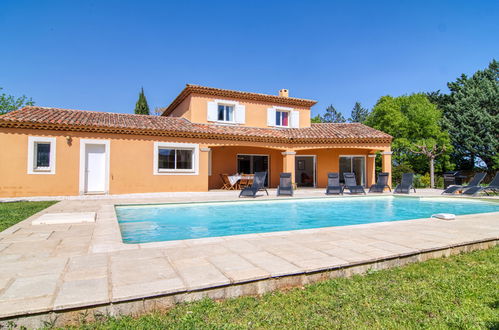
(225, 113)
(282, 118)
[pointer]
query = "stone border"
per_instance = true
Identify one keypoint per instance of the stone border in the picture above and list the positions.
(257, 287)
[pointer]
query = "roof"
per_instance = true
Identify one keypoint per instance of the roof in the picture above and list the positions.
(92, 121)
(190, 89)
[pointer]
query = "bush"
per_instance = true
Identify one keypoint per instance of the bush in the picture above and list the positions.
(425, 180)
(439, 182)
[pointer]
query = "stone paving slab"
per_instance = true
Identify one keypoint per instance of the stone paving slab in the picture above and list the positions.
(60, 267)
(64, 218)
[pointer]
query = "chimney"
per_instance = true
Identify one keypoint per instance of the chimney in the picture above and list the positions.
(284, 93)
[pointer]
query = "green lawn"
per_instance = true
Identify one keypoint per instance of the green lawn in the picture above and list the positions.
(457, 292)
(12, 213)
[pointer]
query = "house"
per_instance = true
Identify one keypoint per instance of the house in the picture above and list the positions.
(203, 133)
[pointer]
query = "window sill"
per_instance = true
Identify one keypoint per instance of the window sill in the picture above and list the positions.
(175, 172)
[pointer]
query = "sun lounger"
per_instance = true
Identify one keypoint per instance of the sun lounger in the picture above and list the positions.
(333, 184)
(493, 186)
(406, 184)
(351, 184)
(257, 185)
(382, 183)
(285, 185)
(473, 183)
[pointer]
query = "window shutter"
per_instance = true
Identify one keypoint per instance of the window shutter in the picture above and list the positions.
(271, 117)
(295, 119)
(212, 111)
(240, 113)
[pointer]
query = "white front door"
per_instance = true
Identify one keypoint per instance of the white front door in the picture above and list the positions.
(95, 168)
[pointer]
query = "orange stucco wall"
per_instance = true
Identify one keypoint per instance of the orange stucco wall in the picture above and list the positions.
(131, 165)
(195, 108)
(132, 158)
(183, 109)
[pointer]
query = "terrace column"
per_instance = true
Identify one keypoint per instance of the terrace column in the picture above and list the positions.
(386, 165)
(288, 163)
(205, 166)
(371, 169)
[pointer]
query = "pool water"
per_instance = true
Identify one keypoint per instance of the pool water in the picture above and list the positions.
(167, 222)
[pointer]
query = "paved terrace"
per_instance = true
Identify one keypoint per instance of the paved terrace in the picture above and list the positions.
(56, 272)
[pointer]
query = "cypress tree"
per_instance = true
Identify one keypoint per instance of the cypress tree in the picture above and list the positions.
(141, 107)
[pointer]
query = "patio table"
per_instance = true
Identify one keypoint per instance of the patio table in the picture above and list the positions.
(233, 179)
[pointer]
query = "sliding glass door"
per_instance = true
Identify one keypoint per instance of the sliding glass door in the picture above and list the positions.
(355, 164)
(249, 164)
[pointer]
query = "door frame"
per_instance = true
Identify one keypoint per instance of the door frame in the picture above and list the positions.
(268, 163)
(365, 165)
(315, 168)
(83, 160)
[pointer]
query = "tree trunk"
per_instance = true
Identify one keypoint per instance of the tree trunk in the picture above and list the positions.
(432, 172)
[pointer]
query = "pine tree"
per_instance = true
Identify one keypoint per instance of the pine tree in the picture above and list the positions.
(333, 116)
(472, 115)
(359, 114)
(141, 107)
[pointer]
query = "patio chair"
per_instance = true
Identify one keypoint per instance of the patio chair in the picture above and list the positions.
(244, 182)
(257, 185)
(226, 182)
(285, 185)
(333, 184)
(351, 184)
(406, 184)
(493, 186)
(473, 183)
(381, 184)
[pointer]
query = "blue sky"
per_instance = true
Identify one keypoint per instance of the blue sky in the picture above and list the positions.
(96, 55)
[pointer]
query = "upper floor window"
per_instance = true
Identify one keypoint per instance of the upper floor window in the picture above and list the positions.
(225, 113)
(41, 155)
(282, 118)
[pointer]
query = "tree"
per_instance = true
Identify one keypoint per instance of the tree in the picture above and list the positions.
(359, 114)
(141, 107)
(431, 150)
(414, 123)
(316, 119)
(471, 115)
(333, 116)
(10, 103)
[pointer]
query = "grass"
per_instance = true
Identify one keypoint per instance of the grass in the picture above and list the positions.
(12, 213)
(457, 292)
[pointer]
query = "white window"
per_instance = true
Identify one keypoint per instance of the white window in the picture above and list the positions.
(225, 112)
(41, 155)
(282, 118)
(175, 158)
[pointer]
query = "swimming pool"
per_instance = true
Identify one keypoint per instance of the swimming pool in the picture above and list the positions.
(167, 222)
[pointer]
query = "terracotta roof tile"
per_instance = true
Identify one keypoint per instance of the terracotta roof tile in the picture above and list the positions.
(81, 120)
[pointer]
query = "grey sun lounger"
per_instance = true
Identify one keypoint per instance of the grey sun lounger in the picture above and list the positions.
(351, 184)
(473, 183)
(258, 184)
(493, 186)
(285, 185)
(381, 184)
(333, 184)
(406, 184)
